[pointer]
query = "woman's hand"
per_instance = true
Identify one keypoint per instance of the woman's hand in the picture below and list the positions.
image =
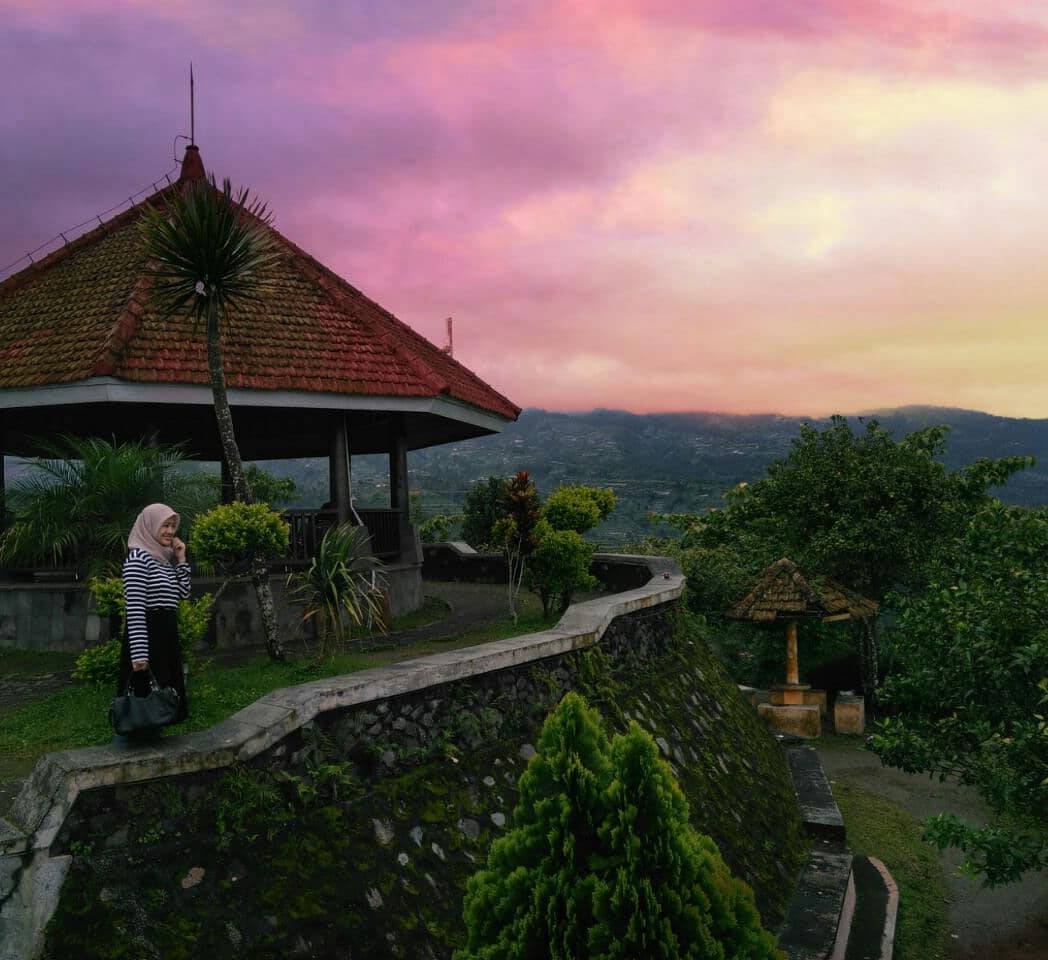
(140, 665)
(180, 550)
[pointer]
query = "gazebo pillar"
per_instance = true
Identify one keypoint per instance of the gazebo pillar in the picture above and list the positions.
(338, 470)
(398, 486)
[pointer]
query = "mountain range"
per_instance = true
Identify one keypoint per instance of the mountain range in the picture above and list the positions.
(681, 462)
(656, 462)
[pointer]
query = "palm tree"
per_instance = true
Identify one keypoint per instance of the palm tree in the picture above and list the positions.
(75, 506)
(208, 255)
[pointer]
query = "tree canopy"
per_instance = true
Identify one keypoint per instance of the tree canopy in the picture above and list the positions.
(969, 685)
(484, 507)
(859, 506)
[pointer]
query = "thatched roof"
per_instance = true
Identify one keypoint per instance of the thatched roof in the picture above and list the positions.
(782, 593)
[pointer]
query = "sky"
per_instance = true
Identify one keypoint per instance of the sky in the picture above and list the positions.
(801, 207)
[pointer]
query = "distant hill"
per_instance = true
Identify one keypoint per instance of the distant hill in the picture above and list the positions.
(659, 462)
(686, 461)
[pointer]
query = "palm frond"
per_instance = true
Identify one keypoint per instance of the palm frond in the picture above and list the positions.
(207, 247)
(76, 506)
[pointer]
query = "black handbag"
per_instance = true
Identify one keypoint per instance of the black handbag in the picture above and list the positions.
(129, 714)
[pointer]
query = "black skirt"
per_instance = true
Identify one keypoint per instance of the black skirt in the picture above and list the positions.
(165, 658)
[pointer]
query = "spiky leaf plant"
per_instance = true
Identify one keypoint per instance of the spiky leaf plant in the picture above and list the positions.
(341, 589)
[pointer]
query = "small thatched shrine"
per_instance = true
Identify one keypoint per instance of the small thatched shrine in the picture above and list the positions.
(782, 594)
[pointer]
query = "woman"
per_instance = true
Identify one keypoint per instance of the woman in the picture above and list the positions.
(156, 577)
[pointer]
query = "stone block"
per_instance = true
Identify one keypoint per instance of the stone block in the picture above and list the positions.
(818, 697)
(810, 929)
(797, 720)
(849, 714)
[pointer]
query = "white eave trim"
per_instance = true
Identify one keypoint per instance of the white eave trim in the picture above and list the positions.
(111, 390)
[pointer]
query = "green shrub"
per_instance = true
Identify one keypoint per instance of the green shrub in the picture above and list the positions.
(438, 528)
(194, 616)
(109, 596)
(578, 508)
(266, 488)
(559, 566)
(602, 861)
(99, 665)
(232, 532)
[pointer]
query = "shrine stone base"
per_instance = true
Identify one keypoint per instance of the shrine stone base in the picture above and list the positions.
(797, 720)
(788, 694)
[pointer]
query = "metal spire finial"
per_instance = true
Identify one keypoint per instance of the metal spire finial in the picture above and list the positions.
(192, 119)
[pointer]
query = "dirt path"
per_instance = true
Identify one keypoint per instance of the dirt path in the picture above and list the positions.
(1010, 923)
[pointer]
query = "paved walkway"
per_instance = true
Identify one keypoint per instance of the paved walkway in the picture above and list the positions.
(18, 689)
(1009, 923)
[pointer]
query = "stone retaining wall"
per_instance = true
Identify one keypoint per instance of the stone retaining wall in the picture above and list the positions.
(371, 798)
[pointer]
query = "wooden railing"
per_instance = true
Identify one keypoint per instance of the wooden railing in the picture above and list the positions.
(309, 526)
(384, 527)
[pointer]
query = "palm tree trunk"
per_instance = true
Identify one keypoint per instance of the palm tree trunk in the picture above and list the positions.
(223, 416)
(224, 419)
(260, 578)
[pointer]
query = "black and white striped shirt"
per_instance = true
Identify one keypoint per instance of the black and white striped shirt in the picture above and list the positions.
(148, 584)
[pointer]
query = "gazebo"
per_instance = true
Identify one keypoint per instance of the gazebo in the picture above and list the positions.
(317, 370)
(783, 595)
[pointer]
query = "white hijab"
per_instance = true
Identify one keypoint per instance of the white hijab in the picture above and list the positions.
(144, 533)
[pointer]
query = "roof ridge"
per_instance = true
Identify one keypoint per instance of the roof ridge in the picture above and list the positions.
(17, 280)
(123, 329)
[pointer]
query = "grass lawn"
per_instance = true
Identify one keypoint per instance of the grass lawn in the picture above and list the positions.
(77, 716)
(34, 663)
(878, 828)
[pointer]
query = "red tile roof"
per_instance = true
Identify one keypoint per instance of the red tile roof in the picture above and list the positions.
(85, 311)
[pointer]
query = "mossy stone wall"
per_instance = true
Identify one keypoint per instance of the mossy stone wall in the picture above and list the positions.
(355, 837)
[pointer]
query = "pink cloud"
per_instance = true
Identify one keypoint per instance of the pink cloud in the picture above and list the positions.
(658, 205)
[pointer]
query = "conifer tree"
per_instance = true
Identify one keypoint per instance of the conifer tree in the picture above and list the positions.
(602, 863)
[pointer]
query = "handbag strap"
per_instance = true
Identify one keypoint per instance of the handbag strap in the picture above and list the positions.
(153, 685)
